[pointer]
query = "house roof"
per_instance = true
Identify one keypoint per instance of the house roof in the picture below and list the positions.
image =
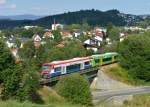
(47, 34)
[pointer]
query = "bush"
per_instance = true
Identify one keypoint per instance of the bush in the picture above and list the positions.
(135, 56)
(75, 89)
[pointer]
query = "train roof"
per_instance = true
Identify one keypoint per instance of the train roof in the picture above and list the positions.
(74, 60)
(105, 55)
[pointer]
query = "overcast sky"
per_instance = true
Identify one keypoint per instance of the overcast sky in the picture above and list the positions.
(49, 7)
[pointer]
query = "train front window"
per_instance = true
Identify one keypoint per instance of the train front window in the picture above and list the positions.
(87, 63)
(46, 67)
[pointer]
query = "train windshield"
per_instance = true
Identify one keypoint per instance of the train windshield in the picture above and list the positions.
(47, 67)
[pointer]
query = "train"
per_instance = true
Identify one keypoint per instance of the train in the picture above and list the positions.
(58, 68)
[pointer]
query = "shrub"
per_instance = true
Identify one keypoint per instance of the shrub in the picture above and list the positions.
(75, 89)
(135, 55)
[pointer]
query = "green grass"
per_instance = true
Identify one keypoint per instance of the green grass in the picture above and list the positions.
(138, 101)
(121, 74)
(11, 103)
(48, 95)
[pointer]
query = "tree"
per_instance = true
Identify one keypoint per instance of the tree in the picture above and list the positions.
(75, 49)
(57, 36)
(74, 92)
(21, 83)
(71, 49)
(109, 27)
(18, 43)
(28, 51)
(111, 48)
(85, 26)
(30, 54)
(6, 60)
(114, 34)
(135, 54)
(13, 76)
(82, 37)
(29, 85)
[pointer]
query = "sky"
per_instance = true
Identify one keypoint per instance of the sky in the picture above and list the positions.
(50, 7)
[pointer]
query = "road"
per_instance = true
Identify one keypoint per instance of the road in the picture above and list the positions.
(97, 95)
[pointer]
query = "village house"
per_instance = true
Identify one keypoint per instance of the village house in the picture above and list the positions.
(48, 34)
(37, 40)
(11, 41)
(99, 33)
(92, 44)
(29, 27)
(134, 28)
(123, 36)
(57, 26)
(66, 34)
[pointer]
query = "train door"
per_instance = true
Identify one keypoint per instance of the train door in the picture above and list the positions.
(82, 65)
(63, 70)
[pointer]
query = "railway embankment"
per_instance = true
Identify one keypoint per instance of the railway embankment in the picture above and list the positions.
(104, 83)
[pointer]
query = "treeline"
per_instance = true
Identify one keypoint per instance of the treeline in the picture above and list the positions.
(92, 17)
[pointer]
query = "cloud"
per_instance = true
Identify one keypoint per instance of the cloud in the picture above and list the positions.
(2, 2)
(12, 6)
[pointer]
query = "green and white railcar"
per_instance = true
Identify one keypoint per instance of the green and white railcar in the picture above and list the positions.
(103, 59)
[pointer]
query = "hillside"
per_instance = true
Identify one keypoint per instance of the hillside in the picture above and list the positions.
(21, 17)
(7, 23)
(92, 17)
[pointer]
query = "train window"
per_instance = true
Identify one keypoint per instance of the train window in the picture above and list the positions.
(58, 69)
(107, 59)
(87, 63)
(73, 66)
(115, 57)
(46, 67)
(97, 60)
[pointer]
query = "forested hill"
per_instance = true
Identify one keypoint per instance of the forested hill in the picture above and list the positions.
(92, 17)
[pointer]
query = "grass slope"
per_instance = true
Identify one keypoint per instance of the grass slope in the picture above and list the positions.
(48, 96)
(11, 103)
(138, 101)
(116, 72)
